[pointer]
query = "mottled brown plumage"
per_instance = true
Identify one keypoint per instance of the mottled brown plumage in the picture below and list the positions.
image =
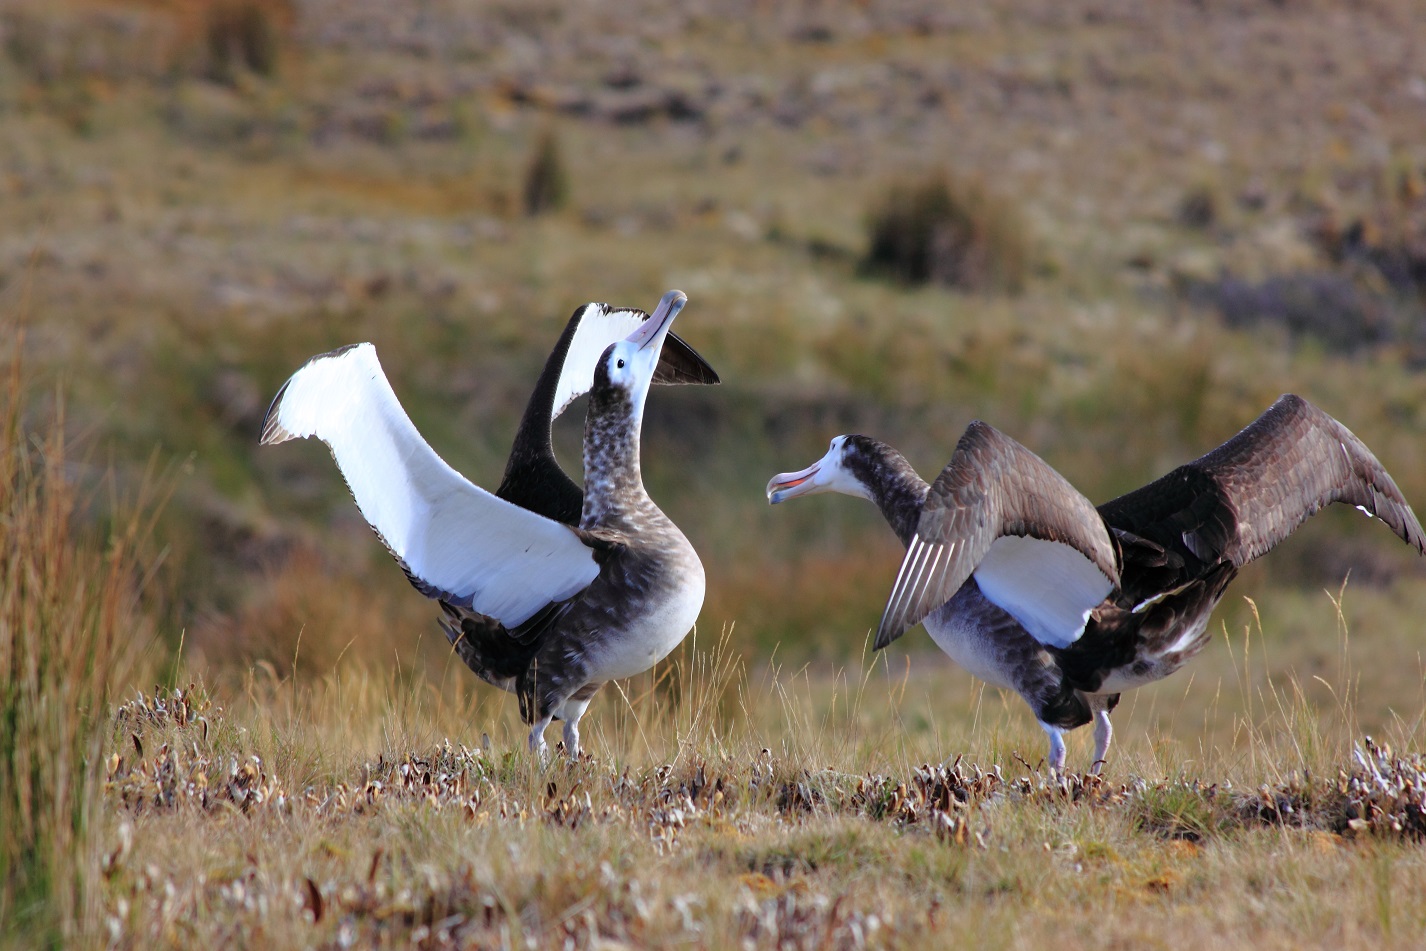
(992, 487)
(1173, 547)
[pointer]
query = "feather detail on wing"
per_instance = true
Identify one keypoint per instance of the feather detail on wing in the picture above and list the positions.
(600, 326)
(1240, 500)
(1037, 547)
(455, 541)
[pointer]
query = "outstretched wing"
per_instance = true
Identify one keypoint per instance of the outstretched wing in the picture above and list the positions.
(455, 541)
(1037, 547)
(599, 326)
(1237, 502)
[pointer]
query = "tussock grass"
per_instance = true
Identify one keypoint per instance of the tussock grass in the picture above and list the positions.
(71, 629)
(245, 36)
(951, 230)
(67, 42)
(546, 184)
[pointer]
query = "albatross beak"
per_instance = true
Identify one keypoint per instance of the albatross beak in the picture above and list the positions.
(786, 485)
(651, 332)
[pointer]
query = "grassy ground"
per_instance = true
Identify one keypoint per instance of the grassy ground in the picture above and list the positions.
(1217, 204)
(721, 807)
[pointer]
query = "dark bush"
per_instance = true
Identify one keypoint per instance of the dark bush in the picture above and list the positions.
(1200, 207)
(244, 36)
(546, 185)
(947, 230)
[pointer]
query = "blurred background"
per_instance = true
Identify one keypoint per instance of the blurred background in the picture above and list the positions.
(1115, 230)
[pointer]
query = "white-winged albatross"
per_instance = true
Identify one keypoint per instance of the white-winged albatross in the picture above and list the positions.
(544, 609)
(1024, 583)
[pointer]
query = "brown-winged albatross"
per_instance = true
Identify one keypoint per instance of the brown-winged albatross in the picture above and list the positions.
(544, 609)
(1024, 583)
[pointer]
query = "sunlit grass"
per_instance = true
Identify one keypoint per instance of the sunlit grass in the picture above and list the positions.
(721, 803)
(72, 631)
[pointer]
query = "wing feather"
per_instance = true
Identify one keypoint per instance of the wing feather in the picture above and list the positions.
(993, 491)
(455, 541)
(1237, 502)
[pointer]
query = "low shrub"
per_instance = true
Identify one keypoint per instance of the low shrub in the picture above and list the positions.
(948, 230)
(1200, 207)
(546, 185)
(245, 36)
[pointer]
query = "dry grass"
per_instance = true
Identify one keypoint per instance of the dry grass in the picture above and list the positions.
(721, 808)
(71, 630)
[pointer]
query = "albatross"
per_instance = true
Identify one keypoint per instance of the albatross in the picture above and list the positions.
(534, 605)
(1030, 587)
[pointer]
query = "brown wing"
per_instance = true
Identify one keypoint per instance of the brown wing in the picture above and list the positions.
(993, 486)
(1240, 500)
(679, 364)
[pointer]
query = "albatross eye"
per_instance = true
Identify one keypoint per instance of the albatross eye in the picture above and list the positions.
(621, 364)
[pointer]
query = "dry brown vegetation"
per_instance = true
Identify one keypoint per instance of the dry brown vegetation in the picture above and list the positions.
(845, 830)
(948, 231)
(1209, 204)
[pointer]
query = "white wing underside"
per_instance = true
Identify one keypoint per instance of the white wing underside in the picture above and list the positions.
(1048, 587)
(470, 547)
(598, 328)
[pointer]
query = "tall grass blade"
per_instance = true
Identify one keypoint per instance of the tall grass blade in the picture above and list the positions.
(71, 630)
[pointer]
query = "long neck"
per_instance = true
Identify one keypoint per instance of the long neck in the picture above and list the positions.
(893, 486)
(613, 483)
(533, 477)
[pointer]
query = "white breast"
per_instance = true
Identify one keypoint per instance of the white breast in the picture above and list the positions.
(650, 638)
(963, 637)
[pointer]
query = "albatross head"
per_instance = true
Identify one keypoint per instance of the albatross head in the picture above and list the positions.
(834, 472)
(629, 364)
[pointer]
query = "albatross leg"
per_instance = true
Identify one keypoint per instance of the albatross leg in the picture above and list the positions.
(1057, 747)
(1103, 732)
(573, 710)
(537, 737)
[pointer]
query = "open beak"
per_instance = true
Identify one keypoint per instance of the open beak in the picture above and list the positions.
(787, 485)
(651, 333)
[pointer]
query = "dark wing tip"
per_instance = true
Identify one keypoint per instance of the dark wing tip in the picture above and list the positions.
(273, 431)
(887, 631)
(1387, 501)
(1284, 467)
(679, 364)
(1392, 509)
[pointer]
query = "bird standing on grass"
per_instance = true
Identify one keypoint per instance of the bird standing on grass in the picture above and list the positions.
(1024, 583)
(533, 605)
